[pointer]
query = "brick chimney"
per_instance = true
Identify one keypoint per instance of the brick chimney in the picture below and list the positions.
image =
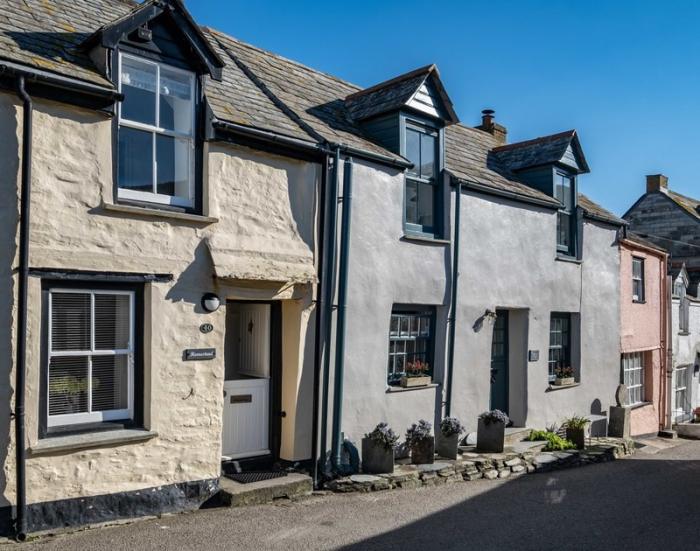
(488, 125)
(656, 182)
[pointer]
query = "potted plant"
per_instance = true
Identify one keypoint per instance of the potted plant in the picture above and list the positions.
(576, 430)
(378, 450)
(564, 375)
(696, 415)
(417, 374)
(491, 431)
(421, 442)
(448, 437)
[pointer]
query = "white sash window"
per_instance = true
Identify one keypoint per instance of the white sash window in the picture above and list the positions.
(90, 356)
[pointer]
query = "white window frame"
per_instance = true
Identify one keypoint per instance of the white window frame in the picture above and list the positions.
(632, 363)
(641, 279)
(155, 130)
(91, 416)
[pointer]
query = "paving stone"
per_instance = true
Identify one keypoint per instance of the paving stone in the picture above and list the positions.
(518, 469)
(505, 473)
(513, 462)
(364, 478)
(473, 476)
(493, 473)
(544, 459)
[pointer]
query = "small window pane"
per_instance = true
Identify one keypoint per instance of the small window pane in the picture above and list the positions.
(176, 102)
(394, 329)
(138, 82)
(427, 156)
(70, 321)
(420, 204)
(413, 150)
(173, 165)
(68, 385)
(110, 378)
(405, 322)
(564, 230)
(135, 159)
(112, 322)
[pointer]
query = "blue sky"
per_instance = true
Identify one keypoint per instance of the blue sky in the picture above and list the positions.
(625, 74)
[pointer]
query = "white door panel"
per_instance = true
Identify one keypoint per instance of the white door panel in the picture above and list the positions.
(246, 418)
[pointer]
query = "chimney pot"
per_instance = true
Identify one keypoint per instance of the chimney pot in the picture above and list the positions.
(656, 182)
(498, 131)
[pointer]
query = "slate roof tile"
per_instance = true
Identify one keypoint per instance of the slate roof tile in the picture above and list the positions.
(692, 206)
(594, 209)
(536, 152)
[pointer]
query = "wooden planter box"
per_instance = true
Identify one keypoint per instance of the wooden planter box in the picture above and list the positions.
(423, 451)
(577, 436)
(564, 381)
(490, 438)
(410, 382)
(447, 446)
(376, 458)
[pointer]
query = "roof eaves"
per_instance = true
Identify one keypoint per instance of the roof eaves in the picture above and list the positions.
(427, 69)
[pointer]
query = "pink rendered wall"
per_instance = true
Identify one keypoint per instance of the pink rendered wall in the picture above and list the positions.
(640, 330)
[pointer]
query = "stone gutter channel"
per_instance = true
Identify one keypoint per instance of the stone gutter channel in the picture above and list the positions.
(473, 466)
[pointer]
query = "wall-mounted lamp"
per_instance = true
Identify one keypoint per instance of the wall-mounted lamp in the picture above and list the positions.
(210, 302)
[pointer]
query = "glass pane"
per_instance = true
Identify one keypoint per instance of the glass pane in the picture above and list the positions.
(562, 191)
(411, 202)
(427, 156)
(110, 382)
(135, 159)
(68, 385)
(138, 81)
(415, 322)
(176, 102)
(563, 230)
(70, 321)
(425, 326)
(424, 205)
(404, 326)
(394, 328)
(173, 166)
(413, 150)
(112, 321)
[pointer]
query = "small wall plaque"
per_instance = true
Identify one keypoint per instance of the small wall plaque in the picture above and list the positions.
(242, 399)
(206, 328)
(194, 354)
(533, 355)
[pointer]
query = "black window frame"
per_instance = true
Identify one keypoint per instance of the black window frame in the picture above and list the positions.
(422, 312)
(566, 360)
(639, 297)
(199, 106)
(137, 419)
(570, 212)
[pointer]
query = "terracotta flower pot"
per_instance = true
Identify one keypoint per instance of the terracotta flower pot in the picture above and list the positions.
(423, 451)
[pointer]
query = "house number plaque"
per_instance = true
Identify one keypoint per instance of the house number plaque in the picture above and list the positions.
(533, 355)
(206, 328)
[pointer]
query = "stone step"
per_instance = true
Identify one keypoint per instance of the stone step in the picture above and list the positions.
(514, 435)
(235, 494)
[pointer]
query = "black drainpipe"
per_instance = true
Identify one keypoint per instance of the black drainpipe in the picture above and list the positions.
(453, 299)
(328, 282)
(340, 324)
(21, 513)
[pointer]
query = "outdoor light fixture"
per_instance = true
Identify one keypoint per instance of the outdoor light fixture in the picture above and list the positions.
(210, 302)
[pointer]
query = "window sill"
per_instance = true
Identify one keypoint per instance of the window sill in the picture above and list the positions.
(552, 387)
(564, 258)
(424, 239)
(639, 301)
(159, 213)
(392, 389)
(641, 405)
(74, 442)
(684, 333)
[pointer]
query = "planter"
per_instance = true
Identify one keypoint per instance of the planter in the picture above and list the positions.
(376, 458)
(688, 430)
(410, 382)
(577, 436)
(423, 451)
(564, 381)
(447, 445)
(490, 437)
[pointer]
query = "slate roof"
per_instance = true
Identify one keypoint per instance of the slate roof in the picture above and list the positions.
(262, 90)
(539, 151)
(692, 206)
(596, 211)
(638, 239)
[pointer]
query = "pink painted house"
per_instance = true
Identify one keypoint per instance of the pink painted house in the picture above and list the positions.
(643, 334)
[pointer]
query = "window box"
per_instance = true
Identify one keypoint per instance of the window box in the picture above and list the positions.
(564, 381)
(411, 382)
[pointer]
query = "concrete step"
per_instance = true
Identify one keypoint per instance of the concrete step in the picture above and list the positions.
(235, 494)
(516, 434)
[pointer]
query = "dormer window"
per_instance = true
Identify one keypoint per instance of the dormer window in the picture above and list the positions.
(564, 192)
(156, 133)
(421, 180)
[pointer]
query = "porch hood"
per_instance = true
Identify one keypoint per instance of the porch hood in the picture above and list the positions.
(291, 266)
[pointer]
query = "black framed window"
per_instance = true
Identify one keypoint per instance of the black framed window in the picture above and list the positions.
(637, 279)
(422, 149)
(411, 343)
(559, 344)
(91, 368)
(157, 123)
(565, 193)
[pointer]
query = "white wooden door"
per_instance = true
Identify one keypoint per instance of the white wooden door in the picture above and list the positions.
(254, 340)
(246, 418)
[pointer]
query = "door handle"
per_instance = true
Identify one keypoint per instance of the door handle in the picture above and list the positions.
(283, 414)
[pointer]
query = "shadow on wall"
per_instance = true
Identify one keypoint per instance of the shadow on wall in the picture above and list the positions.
(9, 218)
(195, 280)
(610, 508)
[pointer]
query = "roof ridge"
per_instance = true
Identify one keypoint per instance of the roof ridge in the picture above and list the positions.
(684, 196)
(534, 141)
(214, 31)
(427, 69)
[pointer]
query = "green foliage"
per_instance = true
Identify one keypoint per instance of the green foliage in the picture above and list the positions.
(576, 422)
(554, 441)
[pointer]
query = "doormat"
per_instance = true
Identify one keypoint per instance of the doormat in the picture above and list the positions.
(247, 478)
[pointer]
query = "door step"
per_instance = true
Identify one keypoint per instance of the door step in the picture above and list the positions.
(235, 494)
(513, 435)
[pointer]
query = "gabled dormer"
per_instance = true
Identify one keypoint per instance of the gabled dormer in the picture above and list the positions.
(407, 115)
(550, 164)
(158, 59)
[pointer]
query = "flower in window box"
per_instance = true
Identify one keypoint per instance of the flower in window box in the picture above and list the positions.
(564, 375)
(417, 374)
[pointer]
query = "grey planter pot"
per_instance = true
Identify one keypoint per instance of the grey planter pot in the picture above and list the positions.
(376, 459)
(577, 436)
(423, 451)
(490, 438)
(447, 445)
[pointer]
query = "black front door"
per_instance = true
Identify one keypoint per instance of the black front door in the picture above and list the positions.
(499, 362)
